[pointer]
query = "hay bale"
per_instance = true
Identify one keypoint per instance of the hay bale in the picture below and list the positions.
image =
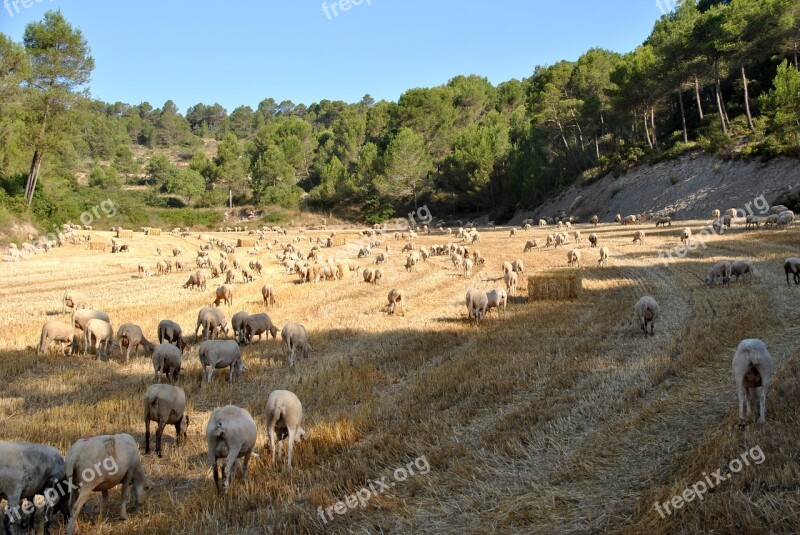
(154, 232)
(555, 285)
(97, 246)
(121, 233)
(338, 241)
(245, 242)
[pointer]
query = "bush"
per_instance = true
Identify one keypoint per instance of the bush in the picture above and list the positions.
(790, 199)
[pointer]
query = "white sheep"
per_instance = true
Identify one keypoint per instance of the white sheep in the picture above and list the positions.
(268, 294)
(721, 270)
(512, 280)
(531, 244)
(638, 236)
(103, 334)
(57, 331)
(603, 261)
(74, 299)
(131, 336)
(477, 304)
(752, 372)
(574, 258)
(215, 354)
(740, 268)
(284, 416)
(167, 360)
(467, 266)
(295, 337)
(165, 404)
(231, 433)
(396, 297)
(646, 311)
(497, 298)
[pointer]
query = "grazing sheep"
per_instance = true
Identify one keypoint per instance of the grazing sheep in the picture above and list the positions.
(284, 415)
(618, 218)
(646, 311)
(666, 220)
(603, 261)
(74, 299)
(171, 332)
(792, 265)
(81, 317)
(395, 297)
(574, 258)
(218, 354)
(102, 333)
(295, 337)
(726, 221)
(230, 277)
(593, 239)
(512, 280)
(237, 323)
(686, 236)
(518, 266)
(213, 322)
(716, 214)
(167, 360)
(752, 372)
(638, 236)
(739, 268)
(224, 293)
(594, 220)
(368, 274)
(629, 220)
(752, 221)
(531, 244)
(196, 280)
(467, 266)
(231, 433)
(378, 276)
(512, 233)
(27, 470)
(497, 298)
(100, 463)
(257, 325)
(785, 219)
(778, 209)
(771, 220)
(477, 304)
(165, 404)
(177, 251)
(720, 269)
(131, 336)
(57, 331)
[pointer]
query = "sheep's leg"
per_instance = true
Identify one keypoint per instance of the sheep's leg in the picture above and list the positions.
(210, 373)
(83, 495)
(146, 436)
(123, 510)
(748, 392)
(762, 404)
(271, 437)
(229, 471)
(159, 433)
(245, 464)
(290, 447)
(216, 476)
(13, 509)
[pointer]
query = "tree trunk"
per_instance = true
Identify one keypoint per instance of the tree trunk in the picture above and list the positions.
(697, 94)
(33, 175)
(647, 130)
(683, 115)
(597, 147)
(653, 126)
(747, 100)
(414, 189)
(719, 107)
(722, 104)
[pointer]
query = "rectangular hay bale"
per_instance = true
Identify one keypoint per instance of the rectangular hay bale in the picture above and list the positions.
(246, 242)
(154, 232)
(555, 285)
(338, 241)
(97, 246)
(122, 233)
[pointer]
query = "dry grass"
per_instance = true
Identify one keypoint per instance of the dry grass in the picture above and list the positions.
(560, 417)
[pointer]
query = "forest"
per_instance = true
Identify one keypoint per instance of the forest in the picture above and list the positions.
(717, 76)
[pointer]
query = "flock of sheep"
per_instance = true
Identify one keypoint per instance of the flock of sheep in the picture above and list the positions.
(30, 469)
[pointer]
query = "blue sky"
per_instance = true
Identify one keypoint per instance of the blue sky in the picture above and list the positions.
(242, 51)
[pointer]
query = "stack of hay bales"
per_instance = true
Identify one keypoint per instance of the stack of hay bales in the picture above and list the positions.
(246, 242)
(122, 233)
(555, 285)
(338, 241)
(154, 232)
(97, 246)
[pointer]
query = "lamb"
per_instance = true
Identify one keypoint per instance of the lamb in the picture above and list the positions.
(478, 303)
(27, 470)
(213, 322)
(130, 335)
(196, 280)
(646, 311)
(638, 236)
(224, 293)
(531, 244)
(217, 354)
(81, 317)
(102, 333)
(792, 265)
(118, 456)
(284, 415)
(752, 372)
(237, 323)
(511, 279)
(57, 331)
(257, 325)
(165, 404)
(603, 261)
(720, 269)
(467, 266)
(395, 297)
(686, 236)
(497, 298)
(574, 258)
(231, 433)
(593, 239)
(167, 360)
(296, 338)
(74, 300)
(171, 332)
(739, 268)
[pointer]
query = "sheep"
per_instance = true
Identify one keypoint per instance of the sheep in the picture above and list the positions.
(237, 323)
(212, 320)
(102, 333)
(739, 268)
(380, 258)
(785, 219)
(752, 221)
(130, 335)
(378, 276)
(57, 331)
(166, 360)
(531, 244)
(518, 266)
(603, 260)
(716, 214)
(411, 261)
(511, 279)
(171, 332)
(638, 236)
(771, 220)
(257, 325)
(560, 239)
(247, 275)
(217, 354)
(629, 220)
(686, 236)
(284, 415)
(792, 265)
(574, 258)
(295, 337)
(726, 221)
(176, 251)
(752, 372)
(720, 269)
(165, 404)
(396, 297)
(497, 298)
(646, 311)
(196, 280)
(231, 433)
(230, 277)
(593, 239)
(594, 220)
(81, 317)
(618, 218)
(777, 209)
(477, 304)
(666, 220)
(74, 300)
(512, 233)
(368, 274)
(224, 293)
(467, 266)
(88, 456)
(27, 470)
